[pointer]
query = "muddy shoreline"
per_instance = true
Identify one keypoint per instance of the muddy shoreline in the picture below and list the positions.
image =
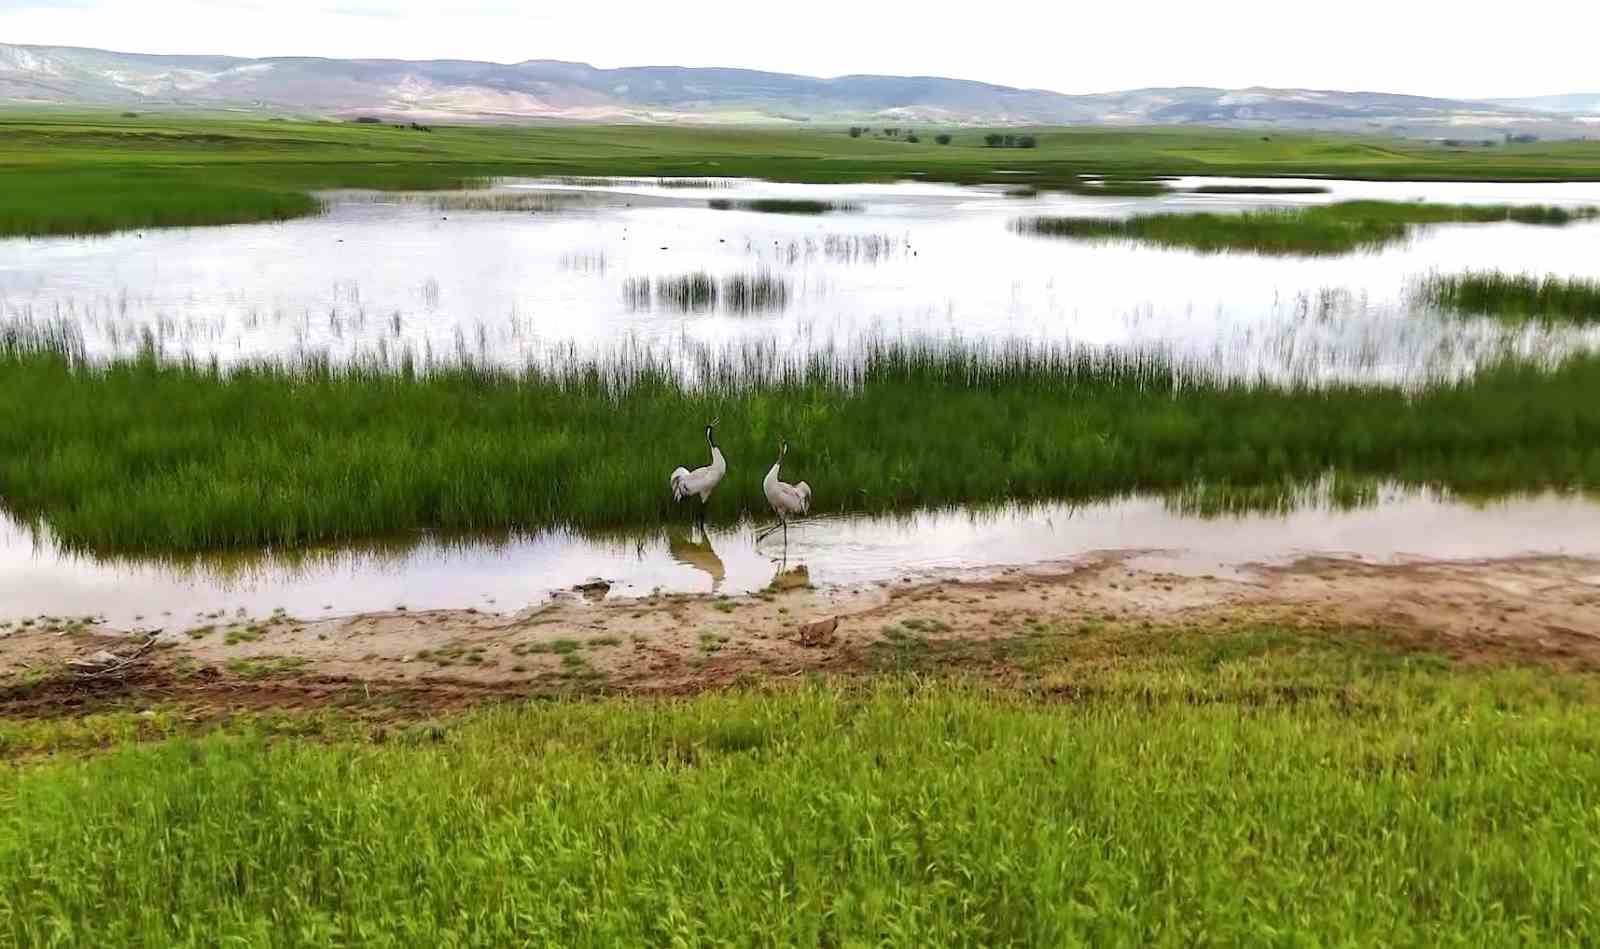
(1541, 609)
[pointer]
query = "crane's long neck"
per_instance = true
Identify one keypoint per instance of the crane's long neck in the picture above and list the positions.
(772, 474)
(717, 461)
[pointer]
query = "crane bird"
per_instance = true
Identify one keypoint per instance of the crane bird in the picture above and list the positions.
(788, 500)
(701, 481)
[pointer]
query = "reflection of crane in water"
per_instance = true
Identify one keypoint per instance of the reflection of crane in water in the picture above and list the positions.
(788, 500)
(701, 481)
(699, 555)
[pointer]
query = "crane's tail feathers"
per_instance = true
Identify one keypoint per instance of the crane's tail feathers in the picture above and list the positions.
(804, 490)
(679, 489)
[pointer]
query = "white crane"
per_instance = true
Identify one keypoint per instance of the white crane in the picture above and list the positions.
(701, 481)
(788, 500)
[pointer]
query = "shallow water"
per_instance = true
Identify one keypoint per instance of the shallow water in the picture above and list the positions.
(380, 274)
(505, 574)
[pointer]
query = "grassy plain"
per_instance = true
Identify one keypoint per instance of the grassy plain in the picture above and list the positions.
(93, 172)
(1304, 231)
(1259, 786)
(142, 455)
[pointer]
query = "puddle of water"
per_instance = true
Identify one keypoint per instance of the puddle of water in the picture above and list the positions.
(379, 274)
(510, 573)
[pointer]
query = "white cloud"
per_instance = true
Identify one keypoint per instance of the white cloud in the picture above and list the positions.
(1427, 48)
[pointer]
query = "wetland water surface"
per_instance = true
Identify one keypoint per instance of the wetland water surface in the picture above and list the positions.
(506, 574)
(559, 269)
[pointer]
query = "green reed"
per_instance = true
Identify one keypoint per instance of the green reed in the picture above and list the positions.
(1518, 297)
(145, 455)
(1306, 231)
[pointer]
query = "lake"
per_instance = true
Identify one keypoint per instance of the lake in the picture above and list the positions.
(379, 275)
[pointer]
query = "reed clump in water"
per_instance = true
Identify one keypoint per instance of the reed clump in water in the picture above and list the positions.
(1514, 296)
(782, 205)
(1259, 189)
(695, 292)
(699, 184)
(754, 293)
(1310, 231)
(145, 455)
(519, 201)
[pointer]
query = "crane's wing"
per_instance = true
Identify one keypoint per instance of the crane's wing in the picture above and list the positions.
(804, 491)
(680, 488)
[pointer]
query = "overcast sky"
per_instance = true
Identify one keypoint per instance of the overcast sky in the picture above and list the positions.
(1423, 47)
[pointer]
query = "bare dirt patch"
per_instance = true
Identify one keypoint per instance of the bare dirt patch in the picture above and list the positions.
(1544, 609)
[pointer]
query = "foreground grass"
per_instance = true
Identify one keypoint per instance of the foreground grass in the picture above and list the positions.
(97, 172)
(148, 456)
(1308, 231)
(1515, 296)
(1260, 786)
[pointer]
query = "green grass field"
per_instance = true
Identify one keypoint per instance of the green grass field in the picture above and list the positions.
(146, 456)
(1308, 231)
(1253, 787)
(1515, 297)
(93, 172)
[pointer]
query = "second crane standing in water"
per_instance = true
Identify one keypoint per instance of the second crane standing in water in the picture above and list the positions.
(788, 500)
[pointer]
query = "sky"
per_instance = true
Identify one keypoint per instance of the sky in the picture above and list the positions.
(1422, 47)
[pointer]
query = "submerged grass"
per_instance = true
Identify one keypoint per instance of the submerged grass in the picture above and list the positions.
(1324, 229)
(1259, 189)
(515, 201)
(146, 456)
(1515, 296)
(782, 205)
(1254, 786)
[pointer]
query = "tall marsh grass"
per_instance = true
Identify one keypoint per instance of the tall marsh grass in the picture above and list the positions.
(142, 455)
(1515, 296)
(1309, 231)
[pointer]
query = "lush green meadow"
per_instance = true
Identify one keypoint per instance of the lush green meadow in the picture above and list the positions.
(1515, 296)
(143, 455)
(92, 172)
(1305, 231)
(1259, 787)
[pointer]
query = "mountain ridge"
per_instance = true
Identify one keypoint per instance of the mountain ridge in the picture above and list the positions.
(542, 89)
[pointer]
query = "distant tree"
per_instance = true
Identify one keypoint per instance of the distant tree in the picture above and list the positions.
(856, 130)
(912, 138)
(892, 133)
(993, 140)
(130, 115)
(1027, 141)
(368, 120)
(1008, 141)
(942, 138)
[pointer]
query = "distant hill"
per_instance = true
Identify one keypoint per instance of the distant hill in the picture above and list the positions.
(1583, 103)
(453, 90)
